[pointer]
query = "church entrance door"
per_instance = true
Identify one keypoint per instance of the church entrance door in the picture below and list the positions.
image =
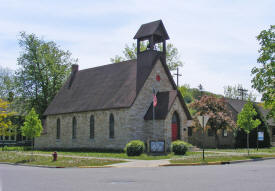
(175, 127)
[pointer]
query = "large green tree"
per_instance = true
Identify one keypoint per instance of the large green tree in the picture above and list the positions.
(264, 75)
(246, 120)
(43, 67)
(130, 52)
(234, 93)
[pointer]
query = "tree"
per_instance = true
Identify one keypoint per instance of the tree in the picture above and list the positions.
(186, 93)
(263, 79)
(130, 52)
(43, 70)
(219, 116)
(7, 84)
(6, 128)
(32, 126)
(246, 120)
(233, 92)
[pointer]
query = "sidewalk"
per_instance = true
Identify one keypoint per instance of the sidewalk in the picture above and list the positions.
(141, 163)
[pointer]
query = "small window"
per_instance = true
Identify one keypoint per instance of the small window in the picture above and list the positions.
(224, 133)
(74, 128)
(58, 128)
(190, 132)
(210, 132)
(273, 131)
(111, 127)
(92, 127)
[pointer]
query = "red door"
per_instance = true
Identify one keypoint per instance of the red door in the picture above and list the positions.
(174, 131)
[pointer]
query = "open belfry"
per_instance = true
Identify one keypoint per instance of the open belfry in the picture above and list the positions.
(106, 107)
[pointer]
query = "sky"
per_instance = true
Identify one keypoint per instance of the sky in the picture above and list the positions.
(216, 39)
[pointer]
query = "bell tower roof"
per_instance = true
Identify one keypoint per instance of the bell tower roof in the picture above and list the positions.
(155, 28)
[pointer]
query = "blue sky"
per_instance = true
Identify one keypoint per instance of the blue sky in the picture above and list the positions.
(215, 38)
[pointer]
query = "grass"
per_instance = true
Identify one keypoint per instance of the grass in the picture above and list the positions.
(210, 159)
(244, 150)
(115, 155)
(17, 158)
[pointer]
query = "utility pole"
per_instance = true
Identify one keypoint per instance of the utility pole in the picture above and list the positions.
(177, 74)
(242, 92)
(200, 88)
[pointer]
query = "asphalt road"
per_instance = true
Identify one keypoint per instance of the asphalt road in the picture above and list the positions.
(251, 176)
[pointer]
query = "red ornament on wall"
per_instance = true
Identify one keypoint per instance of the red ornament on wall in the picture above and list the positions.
(157, 77)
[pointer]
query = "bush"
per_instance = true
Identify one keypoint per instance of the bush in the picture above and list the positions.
(179, 147)
(135, 148)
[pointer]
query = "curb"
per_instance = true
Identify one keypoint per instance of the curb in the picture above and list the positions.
(43, 166)
(40, 166)
(217, 163)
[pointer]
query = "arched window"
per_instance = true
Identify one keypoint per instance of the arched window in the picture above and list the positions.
(111, 126)
(58, 128)
(92, 127)
(74, 128)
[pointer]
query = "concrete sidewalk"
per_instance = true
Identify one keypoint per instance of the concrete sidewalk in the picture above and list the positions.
(141, 163)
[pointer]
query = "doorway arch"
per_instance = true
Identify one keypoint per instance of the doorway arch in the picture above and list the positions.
(175, 126)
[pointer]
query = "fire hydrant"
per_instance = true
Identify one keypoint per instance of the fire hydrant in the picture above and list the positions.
(54, 156)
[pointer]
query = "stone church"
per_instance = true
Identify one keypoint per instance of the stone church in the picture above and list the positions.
(106, 107)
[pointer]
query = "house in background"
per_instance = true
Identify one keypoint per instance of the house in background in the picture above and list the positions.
(106, 107)
(227, 139)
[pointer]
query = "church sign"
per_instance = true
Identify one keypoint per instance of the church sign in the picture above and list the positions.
(157, 146)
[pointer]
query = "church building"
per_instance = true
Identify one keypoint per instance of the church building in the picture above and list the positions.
(107, 106)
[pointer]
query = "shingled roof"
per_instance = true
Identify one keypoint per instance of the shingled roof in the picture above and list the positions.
(165, 101)
(99, 88)
(238, 105)
(152, 28)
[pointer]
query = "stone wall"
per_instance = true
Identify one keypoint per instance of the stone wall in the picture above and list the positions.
(101, 131)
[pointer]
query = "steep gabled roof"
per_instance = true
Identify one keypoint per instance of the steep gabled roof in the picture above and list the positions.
(165, 101)
(238, 105)
(153, 28)
(99, 88)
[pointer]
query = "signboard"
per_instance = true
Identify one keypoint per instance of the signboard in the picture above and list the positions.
(157, 146)
(260, 136)
(203, 120)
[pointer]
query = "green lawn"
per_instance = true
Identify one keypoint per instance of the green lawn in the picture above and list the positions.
(19, 158)
(101, 154)
(115, 155)
(244, 150)
(210, 159)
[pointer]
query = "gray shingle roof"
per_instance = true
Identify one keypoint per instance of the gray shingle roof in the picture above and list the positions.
(152, 28)
(165, 101)
(99, 88)
(238, 105)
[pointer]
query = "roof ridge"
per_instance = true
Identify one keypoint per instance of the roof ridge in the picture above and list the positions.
(107, 65)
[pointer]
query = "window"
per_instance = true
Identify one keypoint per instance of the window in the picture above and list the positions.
(273, 131)
(58, 128)
(111, 126)
(74, 128)
(190, 131)
(224, 133)
(92, 127)
(210, 132)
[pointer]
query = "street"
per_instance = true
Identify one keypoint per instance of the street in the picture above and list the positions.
(251, 176)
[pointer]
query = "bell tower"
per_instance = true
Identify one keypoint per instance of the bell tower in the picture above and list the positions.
(154, 36)
(153, 33)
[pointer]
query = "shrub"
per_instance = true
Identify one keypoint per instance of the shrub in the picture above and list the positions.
(179, 147)
(135, 148)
